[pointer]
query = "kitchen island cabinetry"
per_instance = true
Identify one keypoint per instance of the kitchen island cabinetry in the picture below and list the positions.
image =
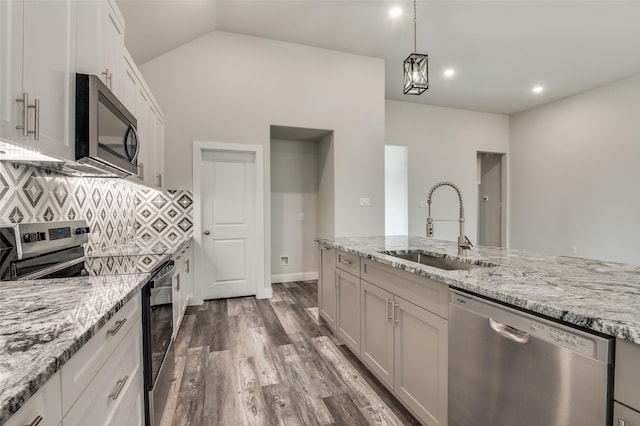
(45, 405)
(627, 384)
(327, 287)
(37, 96)
(348, 309)
(405, 337)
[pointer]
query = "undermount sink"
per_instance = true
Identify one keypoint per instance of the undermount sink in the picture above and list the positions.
(431, 260)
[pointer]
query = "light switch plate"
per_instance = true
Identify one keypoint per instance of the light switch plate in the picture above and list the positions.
(365, 202)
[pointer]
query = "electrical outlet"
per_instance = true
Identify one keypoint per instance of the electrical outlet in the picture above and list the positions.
(574, 249)
(284, 260)
(365, 202)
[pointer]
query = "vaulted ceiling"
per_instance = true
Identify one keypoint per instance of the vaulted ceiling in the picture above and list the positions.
(499, 50)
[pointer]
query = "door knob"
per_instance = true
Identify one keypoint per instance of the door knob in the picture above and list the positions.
(207, 232)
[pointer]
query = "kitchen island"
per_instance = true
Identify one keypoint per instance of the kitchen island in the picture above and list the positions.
(380, 298)
(43, 323)
(597, 295)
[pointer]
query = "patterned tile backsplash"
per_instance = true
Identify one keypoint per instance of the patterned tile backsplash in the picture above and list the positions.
(117, 210)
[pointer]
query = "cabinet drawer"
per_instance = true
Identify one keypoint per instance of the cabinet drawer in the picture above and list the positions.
(45, 404)
(424, 292)
(627, 381)
(624, 416)
(83, 366)
(115, 388)
(348, 262)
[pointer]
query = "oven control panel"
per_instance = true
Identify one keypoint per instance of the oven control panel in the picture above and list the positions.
(44, 237)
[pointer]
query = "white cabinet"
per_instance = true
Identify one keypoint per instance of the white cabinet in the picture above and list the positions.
(116, 392)
(181, 286)
(406, 347)
(38, 93)
(100, 46)
(625, 416)
(44, 405)
(129, 85)
(327, 287)
(103, 381)
(348, 307)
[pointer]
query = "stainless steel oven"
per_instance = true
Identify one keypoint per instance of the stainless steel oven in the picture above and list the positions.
(159, 358)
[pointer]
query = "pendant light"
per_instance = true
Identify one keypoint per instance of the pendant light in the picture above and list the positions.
(416, 67)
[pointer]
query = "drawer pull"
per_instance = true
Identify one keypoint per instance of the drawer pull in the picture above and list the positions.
(345, 261)
(36, 421)
(621, 422)
(119, 385)
(389, 316)
(119, 325)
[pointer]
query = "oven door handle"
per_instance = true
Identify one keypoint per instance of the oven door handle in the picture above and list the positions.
(156, 282)
(55, 268)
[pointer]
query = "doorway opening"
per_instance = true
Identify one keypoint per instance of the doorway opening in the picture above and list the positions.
(301, 200)
(396, 190)
(491, 199)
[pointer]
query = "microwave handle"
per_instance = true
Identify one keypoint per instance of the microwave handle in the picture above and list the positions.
(135, 136)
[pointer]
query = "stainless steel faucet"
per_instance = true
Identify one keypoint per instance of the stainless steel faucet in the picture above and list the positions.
(463, 241)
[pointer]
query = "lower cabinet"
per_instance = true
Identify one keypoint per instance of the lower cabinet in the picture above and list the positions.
(405, 346)
(625, 416)
(348, 315)
(327, 302)
(181, 282)
(115, 395)
(44, 408)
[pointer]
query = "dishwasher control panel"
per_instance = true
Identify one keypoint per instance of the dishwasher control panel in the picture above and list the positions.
(562, 337)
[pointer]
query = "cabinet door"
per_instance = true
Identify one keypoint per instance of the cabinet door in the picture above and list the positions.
(11, 13)
(44, 405)
(624, 416)
(49, 72)
(159, 150)
(142, 112)
(112, 46)
(348, 318)
(177, 301)
(421, 340)
(376, 346)
(129, 86)
(327, 287)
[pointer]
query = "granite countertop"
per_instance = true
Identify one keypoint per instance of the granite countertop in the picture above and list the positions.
(597, 295)
(44, 322)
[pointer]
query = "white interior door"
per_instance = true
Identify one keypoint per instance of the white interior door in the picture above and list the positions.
(228, 224)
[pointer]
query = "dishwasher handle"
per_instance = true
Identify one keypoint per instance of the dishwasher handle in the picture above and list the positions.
(509, 332)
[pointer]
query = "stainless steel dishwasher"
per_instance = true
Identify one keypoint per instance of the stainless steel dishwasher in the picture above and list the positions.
(507, 367)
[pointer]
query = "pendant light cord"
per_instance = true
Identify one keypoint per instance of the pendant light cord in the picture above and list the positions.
(414, 27)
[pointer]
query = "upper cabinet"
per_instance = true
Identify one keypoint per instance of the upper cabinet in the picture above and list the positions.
(38, 86)
(100, 46)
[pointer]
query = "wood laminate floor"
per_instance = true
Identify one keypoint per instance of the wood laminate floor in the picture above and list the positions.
(247, 361)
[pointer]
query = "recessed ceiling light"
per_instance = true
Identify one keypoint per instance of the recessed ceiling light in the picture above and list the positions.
(538, 89)
(395, 12)
(449, 72)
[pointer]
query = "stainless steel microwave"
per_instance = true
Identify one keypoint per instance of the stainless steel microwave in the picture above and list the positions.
(106, 136)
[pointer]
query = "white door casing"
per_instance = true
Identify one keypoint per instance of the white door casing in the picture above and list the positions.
(229, 221)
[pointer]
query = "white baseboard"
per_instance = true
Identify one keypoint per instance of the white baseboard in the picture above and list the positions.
(299, 276)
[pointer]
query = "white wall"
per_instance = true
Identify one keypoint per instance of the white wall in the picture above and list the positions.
(443, 145)
(575, 171)
(294, 190)
(231, 88)
(396, 190)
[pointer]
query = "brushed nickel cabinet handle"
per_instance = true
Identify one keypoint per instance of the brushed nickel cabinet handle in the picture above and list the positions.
(621, 422)
(187, 266)
(25, 113)
(389, 310)
(141, 171)
(395, 314)
(106, 76)
(337, 283)
(345, 261)
(159, 179)
(119, 385)
(36, 127)
(36, 421)
(117, 328)
(178, 283)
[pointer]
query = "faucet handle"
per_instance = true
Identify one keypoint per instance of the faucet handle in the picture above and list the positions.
(466, 244)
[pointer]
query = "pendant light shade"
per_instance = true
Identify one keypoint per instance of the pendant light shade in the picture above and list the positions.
(416, 74)
(416, 67)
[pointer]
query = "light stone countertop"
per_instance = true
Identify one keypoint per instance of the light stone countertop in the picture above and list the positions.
(43, 323)
(597, 295)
